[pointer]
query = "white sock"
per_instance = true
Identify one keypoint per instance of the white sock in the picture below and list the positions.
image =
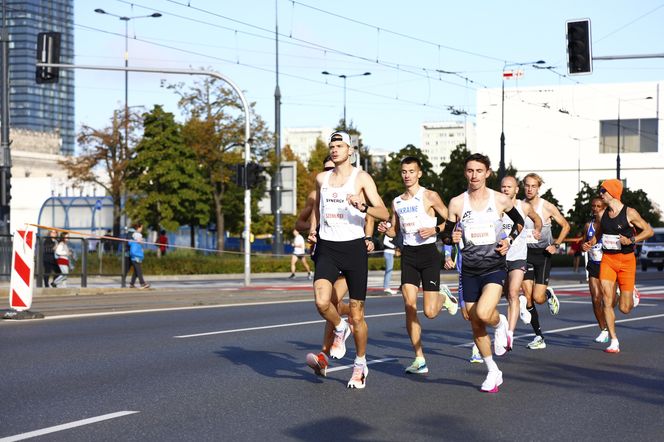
(360, 360)
(342, 325)
(490, 364)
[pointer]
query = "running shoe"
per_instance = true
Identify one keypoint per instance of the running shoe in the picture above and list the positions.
(603, 336)
(613, 348)
(451, 303)
(338, 349)
(636, 296)
(493, 380)
(510, 339)
(359, 378)
(537, 343)
(476, 357)
(144, 286)
(524, 314)
(500, 336)
(310, 276)
(419, 366)
(554, 306)
(318, 362)
(292, 275)
(390, 292)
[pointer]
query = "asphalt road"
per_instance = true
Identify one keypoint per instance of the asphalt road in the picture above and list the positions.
(235, 371)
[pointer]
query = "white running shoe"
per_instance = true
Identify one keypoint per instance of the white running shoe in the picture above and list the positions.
(338, 349)
(603, 336)
(359, 377)
(500, 336)
(390, 292)
(537, 343)
(494, 379)
(554, 306)
(451, 302)
(614, 347)
(524, 314)
(419, 366)
(636, 296)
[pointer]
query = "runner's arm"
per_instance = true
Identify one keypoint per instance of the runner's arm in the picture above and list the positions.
(376, 208)
(303, 221)
(635, 219)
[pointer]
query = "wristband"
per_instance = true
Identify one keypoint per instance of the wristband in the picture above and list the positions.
(368, 238)
(437, 229)
(365, 208)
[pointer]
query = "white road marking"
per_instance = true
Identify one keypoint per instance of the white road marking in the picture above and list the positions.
(375, 361)
(67, 426)
(266, 327)
(578, 327)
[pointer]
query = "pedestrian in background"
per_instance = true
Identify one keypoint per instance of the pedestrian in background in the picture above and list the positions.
(388, 254)
(136, 257)
(48, 257)
(62, 258)
(162, 242)
(299, 253)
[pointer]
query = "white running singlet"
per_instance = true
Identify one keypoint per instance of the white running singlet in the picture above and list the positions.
(339, 221)
(519, 249)
(412, 217)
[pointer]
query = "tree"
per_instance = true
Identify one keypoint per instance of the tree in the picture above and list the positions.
(215, 120)
(555, 228)
(453, 175)
(104, 158)
(163, 177)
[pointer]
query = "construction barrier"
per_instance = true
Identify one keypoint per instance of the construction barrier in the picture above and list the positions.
(21, 284)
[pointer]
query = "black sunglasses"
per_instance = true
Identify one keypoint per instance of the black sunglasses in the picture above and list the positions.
(602, 190)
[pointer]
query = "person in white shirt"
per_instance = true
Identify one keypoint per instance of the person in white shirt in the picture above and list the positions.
(299, 253)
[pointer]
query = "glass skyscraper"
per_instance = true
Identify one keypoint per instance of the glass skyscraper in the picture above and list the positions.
(41, 107)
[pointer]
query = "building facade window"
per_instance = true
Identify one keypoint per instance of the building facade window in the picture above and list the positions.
(636, 135)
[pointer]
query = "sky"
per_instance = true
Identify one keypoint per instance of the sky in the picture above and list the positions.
(404, 45)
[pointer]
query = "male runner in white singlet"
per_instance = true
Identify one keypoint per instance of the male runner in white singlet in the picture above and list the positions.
(338, 231)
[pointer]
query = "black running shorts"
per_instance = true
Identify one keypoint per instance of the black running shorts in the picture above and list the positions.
(421, 264)
(349, 258)
(593, 269)
(474, 284)
(539, 266)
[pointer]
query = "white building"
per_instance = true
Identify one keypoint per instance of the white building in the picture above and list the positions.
(36, 175)
(569, 134)
(379, 158)
(439, 139)
(303, 140)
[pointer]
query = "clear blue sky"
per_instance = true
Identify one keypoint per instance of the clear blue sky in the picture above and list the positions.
(401, 43)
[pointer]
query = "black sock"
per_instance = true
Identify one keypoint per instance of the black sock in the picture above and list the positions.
(534, 320)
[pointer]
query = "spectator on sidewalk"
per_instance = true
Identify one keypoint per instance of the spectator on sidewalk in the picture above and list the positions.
(63, 256)
(48, 257)
(136, 257)
(162, 242)
(299, 253)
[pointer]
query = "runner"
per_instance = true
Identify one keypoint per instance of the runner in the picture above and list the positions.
(516, 259)
(536, 279)
(478, 212)
(616, 232)
(416, 211)
(338, 231)
(597, 207)
(298, 254)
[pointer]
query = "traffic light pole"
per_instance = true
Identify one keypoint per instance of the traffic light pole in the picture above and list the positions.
(6, 164)
(247, 133)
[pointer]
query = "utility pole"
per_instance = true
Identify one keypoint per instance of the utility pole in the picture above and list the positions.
(278, 246)
(6, 165)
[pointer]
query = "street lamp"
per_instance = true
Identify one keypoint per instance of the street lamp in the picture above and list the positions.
(618, 144)
(501, 167)
(344, 76)
(126, 19)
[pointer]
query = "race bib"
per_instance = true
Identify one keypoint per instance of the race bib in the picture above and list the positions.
(410, 222)
(611, 242)
(595, 253)
(530, 238)
(481, 234)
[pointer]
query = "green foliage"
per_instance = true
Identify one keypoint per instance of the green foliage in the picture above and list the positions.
(453, 175)
(580, 213)
(163, 177)
(555, 228)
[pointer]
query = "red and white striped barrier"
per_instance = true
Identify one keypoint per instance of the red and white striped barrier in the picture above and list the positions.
(21, 283)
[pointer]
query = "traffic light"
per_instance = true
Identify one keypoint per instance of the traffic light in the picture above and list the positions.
(240, 178)
(5, 186)
(255, 175)
(48, 51)
(579, 50)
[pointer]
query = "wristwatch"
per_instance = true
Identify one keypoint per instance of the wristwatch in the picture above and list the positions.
(633, 240)
(364, 208)
(437, 229)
